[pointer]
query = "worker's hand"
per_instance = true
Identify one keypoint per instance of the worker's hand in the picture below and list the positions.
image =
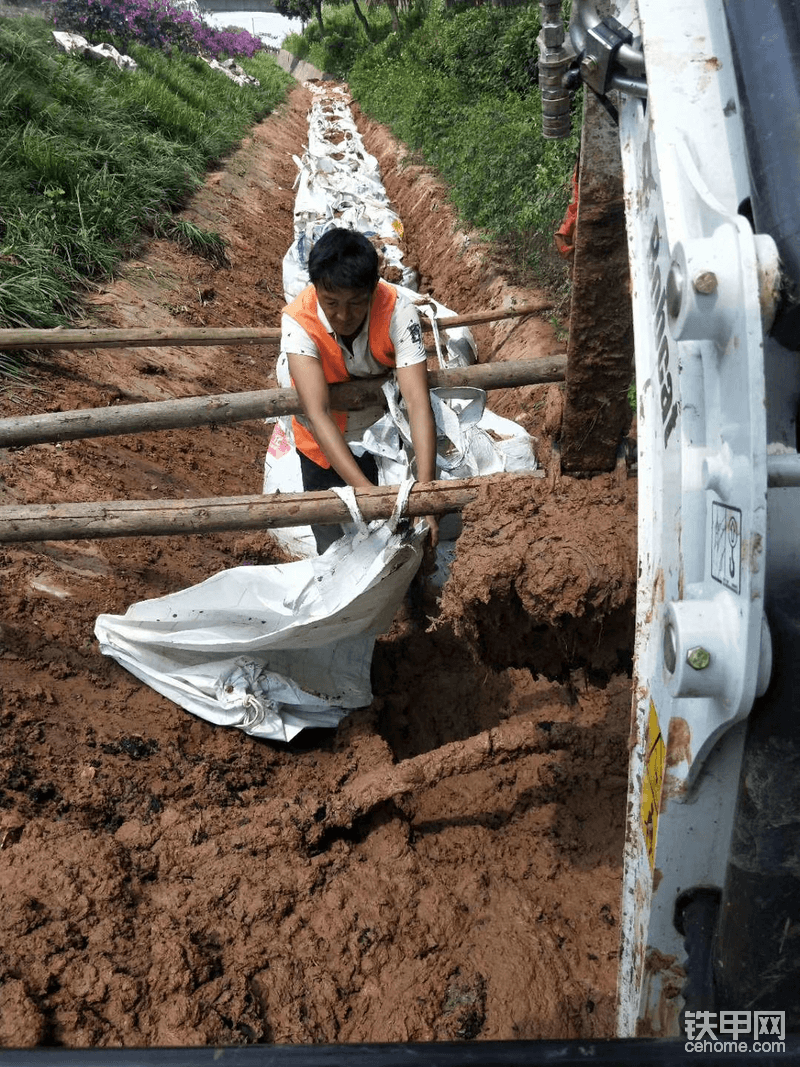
(429, 544)
(433, 530)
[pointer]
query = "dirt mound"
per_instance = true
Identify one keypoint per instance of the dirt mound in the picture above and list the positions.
(168, 882)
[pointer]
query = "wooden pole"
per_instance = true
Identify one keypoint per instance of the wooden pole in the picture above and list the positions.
(138, 518)
(262, 404)
(192, 336)
(476, 318)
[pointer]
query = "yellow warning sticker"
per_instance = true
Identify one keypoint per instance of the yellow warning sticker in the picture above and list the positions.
(654, 757)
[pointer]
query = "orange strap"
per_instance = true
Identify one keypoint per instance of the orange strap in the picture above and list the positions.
(565, 235)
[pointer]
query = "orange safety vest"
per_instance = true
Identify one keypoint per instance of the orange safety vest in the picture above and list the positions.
(303, 309)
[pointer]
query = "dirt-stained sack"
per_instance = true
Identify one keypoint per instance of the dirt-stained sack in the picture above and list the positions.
(271, 650)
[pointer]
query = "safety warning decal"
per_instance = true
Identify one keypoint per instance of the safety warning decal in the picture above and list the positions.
(654, 757)
(726, 545)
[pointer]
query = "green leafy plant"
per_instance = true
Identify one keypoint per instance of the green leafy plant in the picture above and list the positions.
(559, 328)
(206, 243)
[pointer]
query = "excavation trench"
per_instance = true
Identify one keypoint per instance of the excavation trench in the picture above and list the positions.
(444, 866)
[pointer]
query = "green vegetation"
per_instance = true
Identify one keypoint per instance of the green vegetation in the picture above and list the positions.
(92, 158)
(337, 48)
(457, 86)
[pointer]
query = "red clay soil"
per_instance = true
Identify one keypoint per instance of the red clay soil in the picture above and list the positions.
(164, 881)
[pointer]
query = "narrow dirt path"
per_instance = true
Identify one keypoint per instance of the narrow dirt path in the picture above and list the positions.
(164, 881)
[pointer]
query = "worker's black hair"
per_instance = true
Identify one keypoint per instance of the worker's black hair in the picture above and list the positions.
(343, 259)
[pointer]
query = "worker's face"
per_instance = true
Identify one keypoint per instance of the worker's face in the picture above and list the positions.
(345, 309)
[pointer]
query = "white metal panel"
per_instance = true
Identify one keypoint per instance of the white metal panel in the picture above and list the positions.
(702, 485)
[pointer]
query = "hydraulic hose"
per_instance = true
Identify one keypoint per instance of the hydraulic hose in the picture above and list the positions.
(765, 38)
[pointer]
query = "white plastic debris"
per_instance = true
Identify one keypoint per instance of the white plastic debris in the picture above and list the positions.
(73, 42)
(339, 184)
(232, 70)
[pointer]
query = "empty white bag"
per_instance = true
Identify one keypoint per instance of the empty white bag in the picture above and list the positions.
(274, 649)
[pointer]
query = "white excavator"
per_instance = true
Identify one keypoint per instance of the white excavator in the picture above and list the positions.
(706, 98)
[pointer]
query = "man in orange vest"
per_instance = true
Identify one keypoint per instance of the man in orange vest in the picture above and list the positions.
(349, 324)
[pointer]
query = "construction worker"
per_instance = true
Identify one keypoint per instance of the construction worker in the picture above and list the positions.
(349, 324)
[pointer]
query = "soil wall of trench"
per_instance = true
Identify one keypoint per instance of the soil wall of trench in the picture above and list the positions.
(164, 881)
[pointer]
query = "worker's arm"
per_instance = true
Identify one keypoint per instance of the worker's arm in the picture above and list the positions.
(312, 389)
(413, 384)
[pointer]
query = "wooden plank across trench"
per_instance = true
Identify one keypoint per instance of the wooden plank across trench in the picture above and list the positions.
(191, 336)
(229, 408)
(127, 518)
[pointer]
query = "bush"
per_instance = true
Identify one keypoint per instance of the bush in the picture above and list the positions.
(460, 91)
(342, 43)
(158, 24)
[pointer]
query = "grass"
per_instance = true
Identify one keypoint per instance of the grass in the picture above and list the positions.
(205, 243)
(93, 159)
(12, 370)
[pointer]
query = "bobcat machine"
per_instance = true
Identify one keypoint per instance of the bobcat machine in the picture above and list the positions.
(706, 98)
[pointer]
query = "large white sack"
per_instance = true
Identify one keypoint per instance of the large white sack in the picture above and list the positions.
(272, 650)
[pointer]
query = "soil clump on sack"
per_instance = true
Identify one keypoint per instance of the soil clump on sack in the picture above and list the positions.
(444, 866)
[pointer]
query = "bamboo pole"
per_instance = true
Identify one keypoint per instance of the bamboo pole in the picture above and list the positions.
(129, 518)
(192, 336)
(228, 408)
